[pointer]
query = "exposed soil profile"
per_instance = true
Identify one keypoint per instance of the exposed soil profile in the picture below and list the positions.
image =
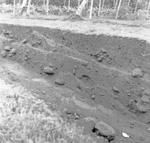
(103, 81)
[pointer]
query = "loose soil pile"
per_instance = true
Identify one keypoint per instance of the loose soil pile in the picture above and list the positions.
(103, 81)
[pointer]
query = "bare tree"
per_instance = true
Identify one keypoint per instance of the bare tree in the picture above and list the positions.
(68, 5)
(79, 2)
(99, 7)
(116, 4)
(118, 8)
(64, 3)
(135, 9)
(129, 2)
(47, 7)
(91, 9)
(81, 7)
(103, 3)
(28, 7)
(148, 8)
(14, 7)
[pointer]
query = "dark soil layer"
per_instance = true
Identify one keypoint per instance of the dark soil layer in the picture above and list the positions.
(97, 68)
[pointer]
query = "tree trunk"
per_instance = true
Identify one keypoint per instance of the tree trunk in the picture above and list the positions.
(14, 8)
(129, 2)
(79, 2)
(68, 5)
(47, 6)
(103, 4)
(91, 9)
(24, 3)
(28, 7)
(136, 6)
(116, 4)
(119, 5)
(64, 3)
(148, 8)
(99, 7)
(81, 7)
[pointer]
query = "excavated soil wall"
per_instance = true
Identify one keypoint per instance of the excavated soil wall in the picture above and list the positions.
(98, 67)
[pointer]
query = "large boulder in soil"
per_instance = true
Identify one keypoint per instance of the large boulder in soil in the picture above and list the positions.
(137, 73)
(105, 130)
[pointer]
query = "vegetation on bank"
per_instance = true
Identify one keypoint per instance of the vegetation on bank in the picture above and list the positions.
(26, 119)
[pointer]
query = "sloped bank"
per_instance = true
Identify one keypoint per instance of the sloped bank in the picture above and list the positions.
(102, 69)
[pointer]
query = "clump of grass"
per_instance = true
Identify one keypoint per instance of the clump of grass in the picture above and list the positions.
(26, 119)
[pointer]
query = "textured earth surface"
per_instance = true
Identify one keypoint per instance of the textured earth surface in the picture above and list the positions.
(100, 82)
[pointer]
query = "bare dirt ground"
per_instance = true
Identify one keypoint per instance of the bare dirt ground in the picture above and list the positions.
(88, 72)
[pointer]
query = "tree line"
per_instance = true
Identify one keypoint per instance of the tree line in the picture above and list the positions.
(80, 5)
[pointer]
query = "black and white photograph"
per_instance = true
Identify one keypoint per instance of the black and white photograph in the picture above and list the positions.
(74, 71)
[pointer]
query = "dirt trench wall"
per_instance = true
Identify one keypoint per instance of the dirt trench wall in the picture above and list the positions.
(89, 64)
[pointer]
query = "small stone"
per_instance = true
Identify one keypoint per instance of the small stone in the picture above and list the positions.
(3, 53)
(49, 70)
(137, 72)
(59, 81)
(7, 48)
(105, 129)
(115, 89)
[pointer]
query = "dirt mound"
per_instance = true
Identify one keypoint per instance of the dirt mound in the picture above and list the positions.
(102, 77)
(74, 17)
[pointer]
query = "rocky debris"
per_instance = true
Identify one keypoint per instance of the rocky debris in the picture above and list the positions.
(49, 70)
(3, 53)
(137, 73)
(102, 55)
(12, 52)
(105, 130)
(72, 115)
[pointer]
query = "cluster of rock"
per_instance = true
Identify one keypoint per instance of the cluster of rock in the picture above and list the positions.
(8, 51)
